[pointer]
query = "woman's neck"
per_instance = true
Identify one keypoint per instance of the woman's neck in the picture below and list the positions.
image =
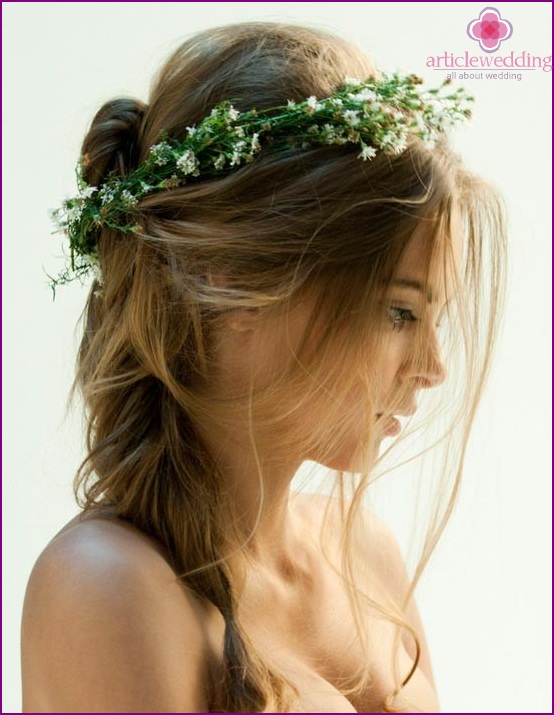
(266, 530)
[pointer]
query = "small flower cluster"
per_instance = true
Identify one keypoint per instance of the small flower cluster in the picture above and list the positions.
(380, 113)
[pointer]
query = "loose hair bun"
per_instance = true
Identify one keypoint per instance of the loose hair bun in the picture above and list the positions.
(112, 142)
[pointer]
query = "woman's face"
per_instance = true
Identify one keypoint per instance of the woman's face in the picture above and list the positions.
(412, 359)
(411, 326)
(410, 313)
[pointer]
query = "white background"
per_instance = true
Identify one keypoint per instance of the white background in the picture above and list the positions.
(485, 599)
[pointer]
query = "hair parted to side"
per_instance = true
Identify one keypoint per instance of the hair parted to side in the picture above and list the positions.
(292, 224)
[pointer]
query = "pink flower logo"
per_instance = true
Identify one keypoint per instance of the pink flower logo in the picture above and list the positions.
(489, 29)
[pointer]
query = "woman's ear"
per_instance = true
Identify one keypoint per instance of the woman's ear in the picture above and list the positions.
(238, 319)
(243, 319)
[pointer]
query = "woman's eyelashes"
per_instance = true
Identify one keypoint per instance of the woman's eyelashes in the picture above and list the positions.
(400, 316)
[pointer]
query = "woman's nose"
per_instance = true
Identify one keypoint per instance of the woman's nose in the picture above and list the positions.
(427, 365)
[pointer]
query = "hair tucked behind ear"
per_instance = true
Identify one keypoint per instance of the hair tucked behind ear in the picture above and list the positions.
(286, 225)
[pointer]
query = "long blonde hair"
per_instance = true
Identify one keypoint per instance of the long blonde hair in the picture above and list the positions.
(289, 224)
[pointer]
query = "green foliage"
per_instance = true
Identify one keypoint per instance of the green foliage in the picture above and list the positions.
(376, 114)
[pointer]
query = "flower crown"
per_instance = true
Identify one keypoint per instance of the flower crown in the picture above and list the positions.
(376, 114)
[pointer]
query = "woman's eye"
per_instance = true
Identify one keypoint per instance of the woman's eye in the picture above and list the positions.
(399, 316)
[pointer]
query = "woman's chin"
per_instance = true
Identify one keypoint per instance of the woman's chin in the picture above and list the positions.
(353, 458)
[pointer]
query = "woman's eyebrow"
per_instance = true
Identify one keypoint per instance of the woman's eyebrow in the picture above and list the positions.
(415, 285)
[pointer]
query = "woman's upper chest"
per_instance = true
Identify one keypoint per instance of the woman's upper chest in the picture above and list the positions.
(311, 637)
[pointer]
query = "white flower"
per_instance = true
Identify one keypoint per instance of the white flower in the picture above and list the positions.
(291, 104)
(128, 199)
(145, 188)
(106, 194)
(313, 129)
(337, 101)
(60, 223)
(364, 95)
(420, 122)
(219, 163)
(239, 131)
(159, 152)
(312, 105)
(330, 133)
(368, 152)
(88, 191)
(74, 214)
(351, 117)
(400, 145)
(233, 114)
(397, 143)
(388, 139)
(188, 163)
(191, 131)
(255, 145)
(352, 80)
(372, 107)
(237, 156)
(96, 272)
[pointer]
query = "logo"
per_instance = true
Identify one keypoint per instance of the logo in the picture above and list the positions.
(489, 29)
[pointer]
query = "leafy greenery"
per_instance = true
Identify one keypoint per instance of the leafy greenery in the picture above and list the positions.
(376, 114)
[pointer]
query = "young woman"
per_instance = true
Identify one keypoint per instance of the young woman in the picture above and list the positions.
(276, 288)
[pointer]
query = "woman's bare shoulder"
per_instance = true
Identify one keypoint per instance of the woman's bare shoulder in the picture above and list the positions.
(103, 533)
(104, 611)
